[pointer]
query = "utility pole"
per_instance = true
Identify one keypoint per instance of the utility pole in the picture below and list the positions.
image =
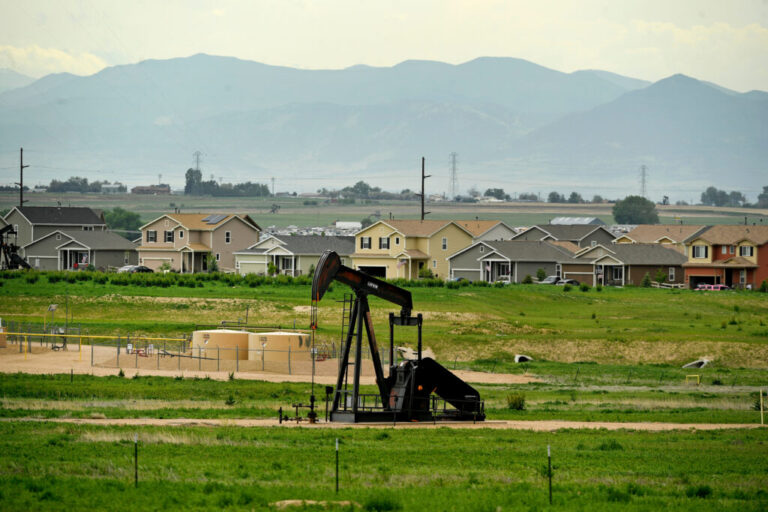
(423, 177)
(454, 179)
(643, 176)
(21, 177)
(197, 156)
(273, 186)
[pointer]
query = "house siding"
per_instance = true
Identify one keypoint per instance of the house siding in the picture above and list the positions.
(456, 238)
(154, 259)
(531, 234)
(24, 234)
(599, 236)
(636, 273)
(498, 232)
(468, 262)
(525, 268)
(243, 236)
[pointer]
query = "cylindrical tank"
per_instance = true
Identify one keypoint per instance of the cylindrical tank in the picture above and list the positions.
(274, 346)
(222, 343)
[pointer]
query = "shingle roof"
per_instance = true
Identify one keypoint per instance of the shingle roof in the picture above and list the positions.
(568, 231)
(64, 215)
(100, 240)
(417, 227)
(564, 244)
(735, 262)
(733, 234)
(196, 221)
(650, 233)
(530, 250)
(647, 254)
(477, 227)
(343, 245)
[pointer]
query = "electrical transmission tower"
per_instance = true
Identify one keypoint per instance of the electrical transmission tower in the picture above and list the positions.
(273, 187)
(454, 178)
(643, 178)
(197, 156)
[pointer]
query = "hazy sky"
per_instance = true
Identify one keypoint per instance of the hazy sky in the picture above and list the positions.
(724, 41)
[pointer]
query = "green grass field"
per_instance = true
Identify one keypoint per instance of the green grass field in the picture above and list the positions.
(63, 467)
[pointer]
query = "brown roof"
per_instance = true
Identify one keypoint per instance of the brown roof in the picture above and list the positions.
(733, 234)
(477, 227)
(568, 246)
(735, 262)
(416, 254)
(650, 233)
(195, 220)
(417, 227)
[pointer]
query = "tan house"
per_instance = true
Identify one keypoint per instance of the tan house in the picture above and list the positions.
(401, 248)
(291, 255)
(186, 240)
(671, 236)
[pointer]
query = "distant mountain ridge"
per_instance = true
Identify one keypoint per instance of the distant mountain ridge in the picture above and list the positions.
(511, 120)
(10, 79)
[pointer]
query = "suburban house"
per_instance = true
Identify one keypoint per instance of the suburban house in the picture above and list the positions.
(34, 222)
(73, 250)
(292, 255)
(624, 264)
(509, 261)
(595, 221)
(401, 248)
(186, 240)
(735, 256)
(583, 235)
(673, 236)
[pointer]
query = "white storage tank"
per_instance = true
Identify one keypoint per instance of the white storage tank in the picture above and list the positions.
(276, 345)
(221, 343)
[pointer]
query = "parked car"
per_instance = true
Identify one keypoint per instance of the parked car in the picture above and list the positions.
(456, 279)
(549, 280)
(135, 269)
(572, 282)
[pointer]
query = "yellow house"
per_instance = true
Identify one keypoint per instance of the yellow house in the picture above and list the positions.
(400, 248)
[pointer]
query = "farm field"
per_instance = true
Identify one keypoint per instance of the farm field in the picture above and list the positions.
(293, 211)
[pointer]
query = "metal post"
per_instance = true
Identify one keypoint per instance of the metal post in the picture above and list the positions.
(237, 358)
(199, 358)
(289, 359)
(337, 465)
(80, 348)
(135, 351)
(262, 357)
(91, 352)
(218, 359)
(118, 351)
(136, 460)
(549, 463)
(25, 348)
(761, 406)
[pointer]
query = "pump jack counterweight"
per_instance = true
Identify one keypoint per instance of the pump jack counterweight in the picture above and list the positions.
(405, 394)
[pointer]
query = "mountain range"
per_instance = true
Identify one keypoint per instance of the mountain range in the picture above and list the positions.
(513, 123)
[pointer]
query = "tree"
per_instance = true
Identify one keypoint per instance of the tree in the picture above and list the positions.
(541, 274)
(762, 199)
(213, 265)
(715, 197)
(554, 197)
(597, 199)
(575, 198)
(661, 276)
(119, 219)
(528, 197)
(635, 210)
(194, 177)
(498, 193)
(646, 282)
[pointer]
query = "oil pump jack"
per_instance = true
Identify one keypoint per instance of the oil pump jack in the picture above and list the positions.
(9, 251)
(414, 390)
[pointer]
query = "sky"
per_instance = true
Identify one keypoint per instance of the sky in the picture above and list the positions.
(725, 42)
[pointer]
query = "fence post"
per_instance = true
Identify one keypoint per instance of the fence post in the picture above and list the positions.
(262, 357)
(289, 359)
(199, 358)
(118, 351)
(91, 352)
(218, 359)
(237, 358)
(136, 351)
(178, 357)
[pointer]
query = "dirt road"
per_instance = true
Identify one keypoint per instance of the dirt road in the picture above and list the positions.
(538, 426)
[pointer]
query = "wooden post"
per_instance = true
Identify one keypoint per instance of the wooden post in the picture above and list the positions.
(337, 465)
(549, 464)
(25, 348)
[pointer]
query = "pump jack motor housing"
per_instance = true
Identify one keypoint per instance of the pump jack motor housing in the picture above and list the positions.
(420, 390)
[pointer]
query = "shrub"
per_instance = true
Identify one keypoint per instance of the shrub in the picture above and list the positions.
(764, 286)
(584, 287)
(599, 287)
(541, 274)
(660, 276)
(230, 400)
(452, 285)
(567, 287)
(32, 277)
(382, 503)
(528, 279)
(516, 401)
(121, 373)
(617, 495)
(646, 282)
(481, 284)
(271, 269)
(698, 491)
(499, 284)
(425, 273)
(610, 445)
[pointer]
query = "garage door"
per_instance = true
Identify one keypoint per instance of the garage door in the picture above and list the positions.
(374, 271)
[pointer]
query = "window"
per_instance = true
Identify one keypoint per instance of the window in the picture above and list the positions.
(558, 269)
(181, 234)
(700, 251)
(167, 223)
(746, 250)
(151, 237)
(58, 236)
(743, 276)
(365, 242)
(593, 243)
(725, 250)
(237, 264)
(169, 236)
(218, 256)
(87, 228)
(733, 249)
(482, 248)
(383, 242)
(227, 237)
(618, 273)
(397, 240)
(671, 274)
(126, 255)
(434, 263)
(16, 228)
(444, 243)
(37, 262)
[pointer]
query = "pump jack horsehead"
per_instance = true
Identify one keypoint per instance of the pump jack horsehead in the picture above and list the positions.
(420, 390)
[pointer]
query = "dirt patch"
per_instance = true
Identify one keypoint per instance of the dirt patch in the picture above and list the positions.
(538, 426)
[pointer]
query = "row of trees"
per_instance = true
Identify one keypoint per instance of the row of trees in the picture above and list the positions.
(195, 186)
(716, 197)
(78, 184)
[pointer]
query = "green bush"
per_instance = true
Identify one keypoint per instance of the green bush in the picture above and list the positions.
(541, 274)
(528, 279)
(425, 273)
(599, 287)
(584, 287)
(567, 287)
(452, 285)
(660, 276)
(646, 282)
(516, 401)
(764, 286)
(32, 277)
(698, 491)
